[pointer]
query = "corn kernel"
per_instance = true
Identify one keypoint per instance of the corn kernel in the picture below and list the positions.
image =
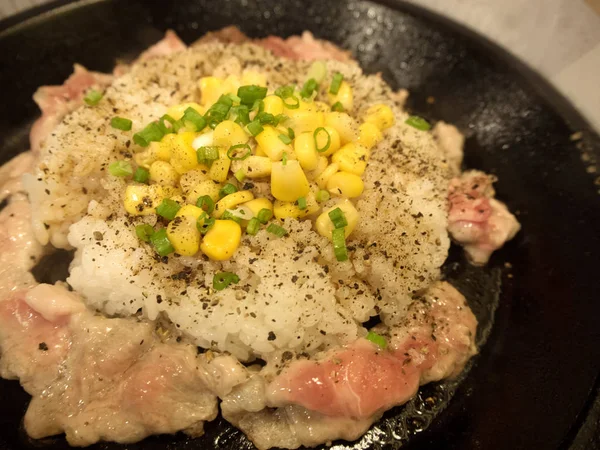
(321, 166)
(220, 168)
(171, 192)
(162, 172)
(210, 90)
(352, 158)
(304, 146)
(324, 225)
(322, 179)
(302, 121)
(207, 187)
(192, 178)
(148, 156)
(288, 182)
(257, 166)
(142, 200)
(271, 144)
(184, 235)
(254, 77)
(229, 133)
(222, 240)
(344, 124)
(273, 104)
(345, 184)
(259, 151)
(344, 96)
(231, 201)
(177, 111)
(257, 204)
(164, 147)
(190, 211)
(183, 155)
(369, 135)
(283, 210)
(230, 85)
(381, 116)
(314, 106)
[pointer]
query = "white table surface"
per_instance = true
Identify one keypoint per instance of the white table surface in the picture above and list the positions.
(558, 38)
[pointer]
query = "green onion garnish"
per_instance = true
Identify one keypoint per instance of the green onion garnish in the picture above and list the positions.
(253, 226)
(152, 133)
(376, 339)
(240, 175)
(204, 223)
(264, 215)
(418, 123)
(144, 232)
(228, 216)
(265, 118)
(285, 139)
(338, 107)
(258, 106)
(309, 87)
(161, 242)
(223, 279)
(206, 155)
(323, 196)
(217, 113)
(302, 203)
(93, 97)
(336, 82)
(120, 169)
(338, 218)
(206, 203)
(287, 92)
(234, 98)
(338, 236)
(291, 133)
(141, 175)
(193, 120)
(279, 118)
(226, 190)
(276, 230)
(284, 158)
(168, 209)
(318, 71)
(233, 151)
(121, 123)
(255, 128)
(295, 104)
(249, 94)
(243, 114)
(316, 135)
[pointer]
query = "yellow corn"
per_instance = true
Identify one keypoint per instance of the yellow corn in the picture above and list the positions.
(148, 156)
(288, 183)
(220, 168)
(324, 225)
(304, 146)
(190, 211)
(259, 151)
(254, 77)
(230, 85)
(273, 105)
(178, 198)
(257, 204)
(183, 155)
(323, 178)
(192, 178)
(229, 133)
(352, 158)
(207, 187)
(314, 106)
(344, 124)
(162, 172)
(184, 235)
(344, 96)
(171, 192)
(369, 135)
(164, 147)
(381, 116)
(345, 184)
(177, 111)
(142, 200)
(334, 141)
(270, 143)
(283, 210)
(301, 120)
(210, 90)
(321, 166)
(231, 201)
(222, 240)
(257, 166)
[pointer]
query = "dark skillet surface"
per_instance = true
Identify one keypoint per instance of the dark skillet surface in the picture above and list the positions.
(533, 383)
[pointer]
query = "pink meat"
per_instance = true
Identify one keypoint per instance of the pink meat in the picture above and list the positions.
(362, 380)
(476, 220)
(304, 47)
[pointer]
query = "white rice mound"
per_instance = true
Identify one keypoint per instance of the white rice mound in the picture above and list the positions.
(293, 294)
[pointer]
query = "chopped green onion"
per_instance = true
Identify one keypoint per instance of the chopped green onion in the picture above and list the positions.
(338, 236)
(121, 123)
(161, 242)
(206, 203)
(217, 113)
(338, 218)
(226, 190)
(243, 114)
(302, 203)
(295, 102)
(240, 175)
(265, 118)
(318, 71)
(264, 215)
(141, 175)
(418, 123)
(323, 196)
(232, 151)
(249, 94)
(291, 133)
(204, 224)
(152, 133)
(144, 232)
(279, 118)
(234, 98)
(93, 97)
(255, 128)
(175, 124)
(120, 168)
(316, 135)
(258, 106)
(285, 139)
(206, 155)
(284, 158)
(222, 280)
(253, 226)
(168, 209)
(193, 120)
(227, 215)
(309, 87)
(338, 107)
(376, 339)
(285, 91)
(276, 230)
(336, 82)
